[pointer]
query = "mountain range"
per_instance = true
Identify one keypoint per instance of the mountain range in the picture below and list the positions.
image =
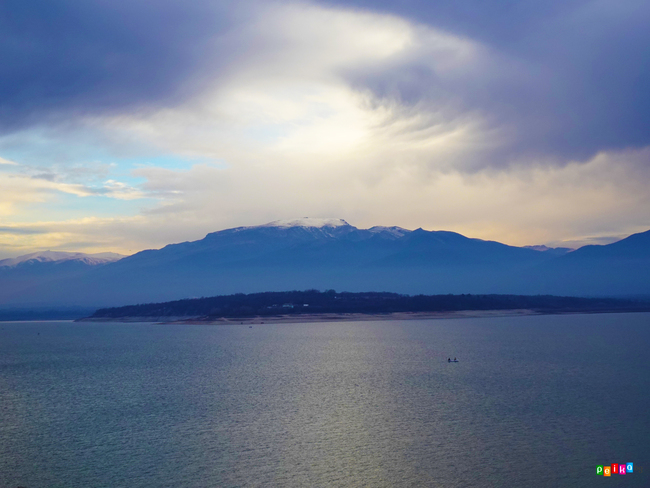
(57, 257)
(327, 254)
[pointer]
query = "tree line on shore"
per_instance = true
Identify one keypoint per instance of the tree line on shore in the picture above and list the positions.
(330, 301)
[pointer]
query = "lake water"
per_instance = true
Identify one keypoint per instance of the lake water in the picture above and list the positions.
(535, 401)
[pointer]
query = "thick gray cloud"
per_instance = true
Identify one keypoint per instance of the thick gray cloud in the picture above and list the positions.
(565, 79)
(70, 57)
(562, 79)
(393, 114)
(496, 22)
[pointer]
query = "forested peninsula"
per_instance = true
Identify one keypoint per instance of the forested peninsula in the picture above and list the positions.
(312, 302)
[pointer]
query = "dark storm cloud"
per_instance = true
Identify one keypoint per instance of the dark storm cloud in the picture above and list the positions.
(563, 79)
(566, 78)
(67, 57)
(496, 22)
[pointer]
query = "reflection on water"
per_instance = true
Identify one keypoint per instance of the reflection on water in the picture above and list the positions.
(534, 401)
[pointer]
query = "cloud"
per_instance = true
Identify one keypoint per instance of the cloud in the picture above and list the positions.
(582, 203)
(65, 59)
(579, 201)
(525, 124)
(290, 97)
(21, 190)
(559, 80)
(18, 230)
(7, 162)
(51, 182)
(91, 234)
(308, 81)
(563, 80)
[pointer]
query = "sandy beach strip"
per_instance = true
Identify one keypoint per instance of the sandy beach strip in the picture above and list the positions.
(349, 317)
(357, 317)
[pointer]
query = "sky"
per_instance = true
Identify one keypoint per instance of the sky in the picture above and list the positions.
(130, 125)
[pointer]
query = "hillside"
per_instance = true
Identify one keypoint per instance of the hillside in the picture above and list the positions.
(332, 254)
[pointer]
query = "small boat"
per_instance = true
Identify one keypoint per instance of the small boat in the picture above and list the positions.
(452, 360)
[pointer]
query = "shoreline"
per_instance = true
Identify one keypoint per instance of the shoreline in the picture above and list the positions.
(359, 317)
(350, 317)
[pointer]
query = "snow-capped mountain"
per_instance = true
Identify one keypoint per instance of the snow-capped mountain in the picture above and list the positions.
(394, 231)
(59, 257)
(332, 254)
(23, 276)
(306, 226)
(304, 222)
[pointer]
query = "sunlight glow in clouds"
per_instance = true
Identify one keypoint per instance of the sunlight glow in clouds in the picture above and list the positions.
(289, 94)
(328, 112)
(290, 104)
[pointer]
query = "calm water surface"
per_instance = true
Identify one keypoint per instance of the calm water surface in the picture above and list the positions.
(534, 402)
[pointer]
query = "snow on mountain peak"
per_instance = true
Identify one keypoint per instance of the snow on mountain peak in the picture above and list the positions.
(393, 231)
(307, 222)
(59, 256)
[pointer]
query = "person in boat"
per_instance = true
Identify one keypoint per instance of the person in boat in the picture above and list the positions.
(455, 359)
(449, 359)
